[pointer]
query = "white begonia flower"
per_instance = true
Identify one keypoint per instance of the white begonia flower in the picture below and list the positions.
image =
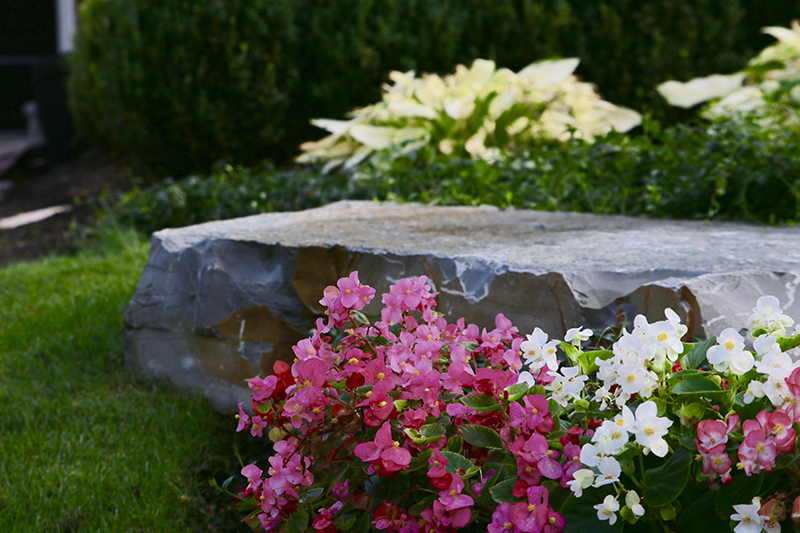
(778, 365)
(610, 470)
(650, 429)
(527, 378)
(755, 389)
(768, 315)
(583, 479)
(633, 502)
(576, 336)
(607, 509)
(602, 395)
(537, 352)
(571, 379)
(742, 364)
(766, 344)
(634, 379)
(777, 391)
(610, 437)
(590, 455)
(747, 516)
(640, 327)
(729, 347)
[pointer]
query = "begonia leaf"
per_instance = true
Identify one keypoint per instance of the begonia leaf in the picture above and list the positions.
(696, 517)
(698, 386)
(571, 351)
(502, 492)
(456, 462)
(664, 483)
(481, 402)
(427, 433)
(481, 436)
(697, 355)
(581, 516)
(741, 490)
(683, 374)
(454, 444)
(297, 522)
(312, 494)
(425, 503)
(515, 392)
(421, 461)
(587, 360)
(787, 343)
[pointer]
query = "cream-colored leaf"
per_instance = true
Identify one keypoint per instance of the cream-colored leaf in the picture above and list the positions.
(376, 137)
(337, 127)
(743, 100)
(700, 90)
(411, 109)
(460, 109)
(784, 35)
(358, 156)
(550, 72)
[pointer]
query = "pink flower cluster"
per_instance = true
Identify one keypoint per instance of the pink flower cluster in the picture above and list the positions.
(370, 395)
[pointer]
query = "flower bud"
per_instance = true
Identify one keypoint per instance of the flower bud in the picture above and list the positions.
(581, 405)
(773, 510)
(668, 513)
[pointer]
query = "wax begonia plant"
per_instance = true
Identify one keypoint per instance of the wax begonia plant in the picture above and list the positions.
(410, 423)
(481, 112)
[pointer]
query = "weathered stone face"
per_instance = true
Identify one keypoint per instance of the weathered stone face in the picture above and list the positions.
(218, 303)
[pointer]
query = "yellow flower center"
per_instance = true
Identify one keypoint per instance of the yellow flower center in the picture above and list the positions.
(649, 432)
(729, 345)
(662, 337)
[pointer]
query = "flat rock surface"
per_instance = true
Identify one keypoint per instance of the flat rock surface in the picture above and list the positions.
(249, 287)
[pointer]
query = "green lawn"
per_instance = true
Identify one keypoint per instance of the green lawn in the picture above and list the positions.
(85, 446)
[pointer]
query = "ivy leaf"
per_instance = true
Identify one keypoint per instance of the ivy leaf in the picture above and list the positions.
(502, 492)
(481, 436)
(297, 522)
(697, 355)
(481, 402)
(665, 483)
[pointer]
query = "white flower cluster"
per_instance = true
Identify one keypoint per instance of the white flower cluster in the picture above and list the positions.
(638, 356)
(759, 88)
(465, 111)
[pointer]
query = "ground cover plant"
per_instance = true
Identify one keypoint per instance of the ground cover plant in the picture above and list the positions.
(732, 169)
(407, 422)
(85, 446)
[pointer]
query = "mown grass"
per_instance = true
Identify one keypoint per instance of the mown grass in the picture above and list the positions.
(84, 445)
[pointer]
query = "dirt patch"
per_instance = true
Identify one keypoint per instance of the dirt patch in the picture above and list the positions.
(83, 184)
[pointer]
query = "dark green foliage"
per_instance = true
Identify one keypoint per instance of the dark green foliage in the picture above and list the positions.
(183, 84)
(733, 170)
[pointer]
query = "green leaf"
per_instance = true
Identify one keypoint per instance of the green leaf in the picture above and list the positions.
(696, 517)
(665, 483)
(587, 360)
(741, 490)
(697, 355)
(787, 343)
(683, 374)
(515, 392)
(581, 516)
(454, 444)
(481, 402)
(312, 494)
(297, 522)
(571, 351)
(424, 503)
(427, 433)
(481, 436)
(456, 462)
(227, 482)
(698, 386)
(501, 493)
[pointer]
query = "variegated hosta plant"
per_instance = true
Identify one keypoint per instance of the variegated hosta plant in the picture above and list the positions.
(481, 111)
(410, 423)
(768, 87)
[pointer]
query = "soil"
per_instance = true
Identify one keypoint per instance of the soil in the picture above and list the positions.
(84, 184)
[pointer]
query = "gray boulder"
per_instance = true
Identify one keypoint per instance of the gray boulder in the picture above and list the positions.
(218, 303)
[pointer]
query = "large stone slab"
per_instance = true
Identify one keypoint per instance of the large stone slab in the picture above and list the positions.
(219, 302)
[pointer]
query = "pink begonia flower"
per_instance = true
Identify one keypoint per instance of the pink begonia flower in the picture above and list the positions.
(758, 449)
(253, 475)
(325, 517)
(257, 429)
(717, 462)
(243, 419)
(530, 517)
(779, 425)
(384, 450)
(262, 388)
(392, 312)
(531, 416)
(505, 327)
(452, 498)
(438, 464)
(710, 434)
(352, 294)
(341, 490)
(502, 521)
